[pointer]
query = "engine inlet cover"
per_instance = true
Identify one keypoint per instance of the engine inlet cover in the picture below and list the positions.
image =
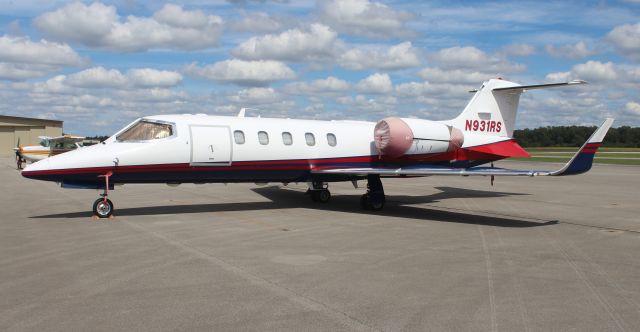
(392, 137)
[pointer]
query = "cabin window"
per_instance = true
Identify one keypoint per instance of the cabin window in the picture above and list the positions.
(331, 139)
(238, 136)
(311, 140)
(146, 130)
(287, 139)
(263, 137)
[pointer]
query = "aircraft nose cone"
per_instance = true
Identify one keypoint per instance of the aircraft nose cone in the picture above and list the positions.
(35, 169)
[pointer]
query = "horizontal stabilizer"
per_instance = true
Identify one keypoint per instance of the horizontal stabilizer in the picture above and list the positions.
(539, 86)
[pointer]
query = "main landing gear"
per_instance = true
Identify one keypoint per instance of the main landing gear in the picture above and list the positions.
(319, 192)
(103, 207)
(374, 198)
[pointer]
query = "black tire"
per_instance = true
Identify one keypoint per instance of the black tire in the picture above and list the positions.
(368, 203)
(101, 209)
(314, 196)
(376, 206)
(324, 196)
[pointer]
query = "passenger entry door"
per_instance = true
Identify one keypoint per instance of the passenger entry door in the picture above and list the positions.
(210, 145)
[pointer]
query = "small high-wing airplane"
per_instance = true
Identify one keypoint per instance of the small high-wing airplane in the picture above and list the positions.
(49, 146)
(198, 148)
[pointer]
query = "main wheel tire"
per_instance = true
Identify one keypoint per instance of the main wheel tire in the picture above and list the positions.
(324, 196)
(102, 208)
(377, 206)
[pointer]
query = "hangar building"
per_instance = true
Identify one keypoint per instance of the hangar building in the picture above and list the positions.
(27, 130)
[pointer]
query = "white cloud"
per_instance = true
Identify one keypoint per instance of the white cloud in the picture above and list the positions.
(375, 83)
(518, 50)
(252, 73)
(471, 57)
(574, 51)
(558, 77)
(400, 56)
(595, 70)
(22, 71)
(364, 18)
(23, 50)
(102, 78)
(148, 77)
(626, 38)
(97, 77)
(255, 96)
(633, 108)
(317, 43)
(328, 86)
(98, 25)
(22, 59)
(256, 22)
(412, 89)
(434, 74)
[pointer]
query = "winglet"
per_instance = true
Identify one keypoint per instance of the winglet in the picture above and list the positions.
(583, 159)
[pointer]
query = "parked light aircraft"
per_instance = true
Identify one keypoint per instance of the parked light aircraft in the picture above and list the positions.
(176, 149)
(49, 146)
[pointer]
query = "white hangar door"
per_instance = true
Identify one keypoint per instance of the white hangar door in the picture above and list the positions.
(210, 145)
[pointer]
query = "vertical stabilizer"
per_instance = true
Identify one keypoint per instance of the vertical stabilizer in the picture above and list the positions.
(491, 111)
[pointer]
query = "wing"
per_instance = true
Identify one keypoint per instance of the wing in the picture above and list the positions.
(580, 163)
(67, 139)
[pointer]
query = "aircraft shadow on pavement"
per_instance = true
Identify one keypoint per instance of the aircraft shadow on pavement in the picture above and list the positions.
(396, 206)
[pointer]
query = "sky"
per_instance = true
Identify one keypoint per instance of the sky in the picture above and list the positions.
(100, 65)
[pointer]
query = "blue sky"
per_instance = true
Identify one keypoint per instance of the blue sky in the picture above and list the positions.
(100, 65)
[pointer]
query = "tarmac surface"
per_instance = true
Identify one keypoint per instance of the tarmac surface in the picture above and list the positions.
(447, 253)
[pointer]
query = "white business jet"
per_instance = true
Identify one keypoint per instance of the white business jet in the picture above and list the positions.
(176, 149)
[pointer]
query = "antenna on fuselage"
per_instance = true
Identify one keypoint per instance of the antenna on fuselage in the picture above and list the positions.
(244, 110)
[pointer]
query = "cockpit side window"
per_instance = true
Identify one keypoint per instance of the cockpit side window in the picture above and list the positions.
(145, 131)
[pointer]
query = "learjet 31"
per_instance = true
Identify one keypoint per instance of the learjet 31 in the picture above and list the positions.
(175, 149)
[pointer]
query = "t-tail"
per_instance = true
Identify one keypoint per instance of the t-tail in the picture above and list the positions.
(492, 110)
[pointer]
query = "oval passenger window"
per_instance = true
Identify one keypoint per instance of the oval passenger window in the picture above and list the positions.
(263, 137)
(331, 139)
(311, 140)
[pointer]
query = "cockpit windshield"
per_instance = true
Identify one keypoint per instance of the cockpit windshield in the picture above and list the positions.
(146, 130)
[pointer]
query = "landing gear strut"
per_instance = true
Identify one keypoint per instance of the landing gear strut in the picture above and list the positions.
(374, 198)
(319, 192)
(103, 207)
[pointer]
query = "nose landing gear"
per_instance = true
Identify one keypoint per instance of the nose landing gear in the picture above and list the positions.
(103, 207)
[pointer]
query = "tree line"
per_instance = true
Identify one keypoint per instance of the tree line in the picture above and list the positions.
(624, 136)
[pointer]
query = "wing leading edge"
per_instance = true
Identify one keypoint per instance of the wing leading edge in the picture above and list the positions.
(580, 163)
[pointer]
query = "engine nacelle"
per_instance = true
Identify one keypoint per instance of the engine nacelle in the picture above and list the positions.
(396, 137)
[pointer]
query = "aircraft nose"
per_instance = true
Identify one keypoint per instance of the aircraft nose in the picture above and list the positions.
(35, 169)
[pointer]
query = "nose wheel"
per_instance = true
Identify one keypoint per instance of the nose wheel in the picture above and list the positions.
(103, 207)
